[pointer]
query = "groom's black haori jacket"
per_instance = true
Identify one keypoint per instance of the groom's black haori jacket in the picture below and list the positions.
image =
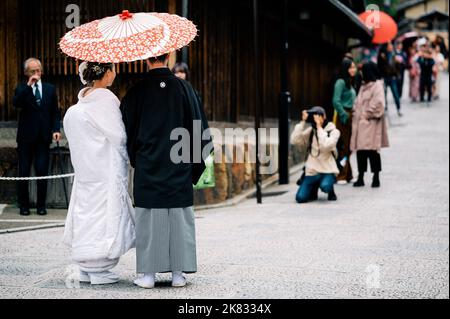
(151, 110)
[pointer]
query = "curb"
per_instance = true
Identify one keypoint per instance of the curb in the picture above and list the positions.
(30, 228)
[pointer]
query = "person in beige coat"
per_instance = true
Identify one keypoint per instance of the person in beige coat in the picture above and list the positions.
(369, 125)
(318, 137)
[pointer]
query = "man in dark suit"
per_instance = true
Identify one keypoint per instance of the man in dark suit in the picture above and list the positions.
(39, 123)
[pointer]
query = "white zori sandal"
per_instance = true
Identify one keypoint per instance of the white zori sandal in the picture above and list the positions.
(100, 278)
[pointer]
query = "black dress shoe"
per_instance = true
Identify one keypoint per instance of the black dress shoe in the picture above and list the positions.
(25, 212)
(314, 197)
(376, 183)
(332, 197)
(359, 183)
(42, 211)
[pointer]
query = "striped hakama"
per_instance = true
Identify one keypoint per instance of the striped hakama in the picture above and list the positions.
(165, 240)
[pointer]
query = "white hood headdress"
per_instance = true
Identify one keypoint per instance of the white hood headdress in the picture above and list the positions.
(83, 66)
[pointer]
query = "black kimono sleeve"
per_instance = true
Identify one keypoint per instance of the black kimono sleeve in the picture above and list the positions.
(194, 112)
(130, 120)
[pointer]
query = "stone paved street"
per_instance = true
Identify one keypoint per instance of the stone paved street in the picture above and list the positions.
(386, 243)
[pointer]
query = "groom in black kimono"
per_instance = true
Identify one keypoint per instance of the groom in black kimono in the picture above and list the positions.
(153, 110)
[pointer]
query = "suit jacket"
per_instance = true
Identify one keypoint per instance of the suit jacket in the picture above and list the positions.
(37, 123)
(152, 110)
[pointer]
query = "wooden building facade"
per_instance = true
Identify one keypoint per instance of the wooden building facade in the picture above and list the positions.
(221, 58)
(34, 28)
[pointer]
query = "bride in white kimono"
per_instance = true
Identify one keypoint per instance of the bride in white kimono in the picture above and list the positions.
(100, 222)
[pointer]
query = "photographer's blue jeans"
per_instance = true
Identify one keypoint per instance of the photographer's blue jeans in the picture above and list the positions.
(311, 185)
(392, 83)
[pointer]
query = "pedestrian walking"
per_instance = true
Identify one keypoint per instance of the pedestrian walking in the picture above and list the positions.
(317, 137)
(100, 222)
(439, 67)
(401, 60)
(440, 42)
(153, 111)
(389, 71)
(427, 64)
(369, 125)
(343, 101)
(414, 75)
(39, 124)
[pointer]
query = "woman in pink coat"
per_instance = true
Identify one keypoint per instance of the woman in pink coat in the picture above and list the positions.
(414, 75)
(369, 125)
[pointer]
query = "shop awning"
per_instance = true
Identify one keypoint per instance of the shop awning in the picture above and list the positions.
(350, 21)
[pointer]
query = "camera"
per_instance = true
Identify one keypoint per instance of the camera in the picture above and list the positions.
(317, 110)
(310, 119)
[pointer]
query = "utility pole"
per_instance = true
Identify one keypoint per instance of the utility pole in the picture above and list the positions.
(285, 99)
(257, 99)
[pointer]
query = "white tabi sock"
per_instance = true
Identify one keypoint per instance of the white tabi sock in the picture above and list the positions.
(146, 281)
(178, 279)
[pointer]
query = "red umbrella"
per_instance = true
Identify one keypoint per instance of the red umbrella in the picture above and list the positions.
(128, 37)
(409, 35)
(384, 27)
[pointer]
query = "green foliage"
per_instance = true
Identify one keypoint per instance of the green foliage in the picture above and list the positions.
(388, 6)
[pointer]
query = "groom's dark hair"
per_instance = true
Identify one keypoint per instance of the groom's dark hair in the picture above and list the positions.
(160, 58)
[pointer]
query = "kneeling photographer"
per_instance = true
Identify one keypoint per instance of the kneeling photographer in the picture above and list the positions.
(318, 137)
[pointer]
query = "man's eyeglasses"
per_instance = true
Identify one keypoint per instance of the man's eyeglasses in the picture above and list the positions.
(35, 71)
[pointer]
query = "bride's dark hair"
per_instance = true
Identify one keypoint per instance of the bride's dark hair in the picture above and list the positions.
(96, 71)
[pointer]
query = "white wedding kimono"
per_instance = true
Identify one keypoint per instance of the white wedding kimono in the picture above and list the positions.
(100, 222)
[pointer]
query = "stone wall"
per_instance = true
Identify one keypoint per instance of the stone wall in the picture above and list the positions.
(8, 162)
(8, 168)
(233, 179)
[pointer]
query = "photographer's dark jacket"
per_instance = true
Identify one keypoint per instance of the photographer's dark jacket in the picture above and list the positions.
(323, 148)
(37, 123)
(151, 111)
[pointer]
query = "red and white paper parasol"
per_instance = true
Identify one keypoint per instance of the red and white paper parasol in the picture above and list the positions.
(128, 37)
